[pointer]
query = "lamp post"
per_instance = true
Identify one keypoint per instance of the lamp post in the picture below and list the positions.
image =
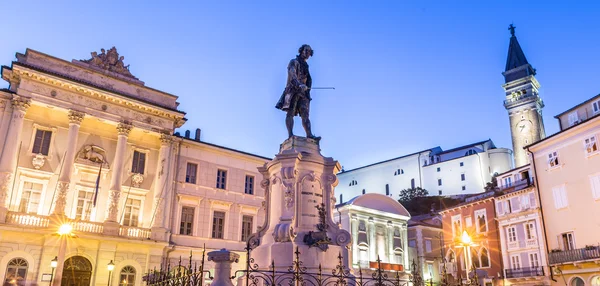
(53, 264)
(466, 241)
(64, 231)
(110, 267)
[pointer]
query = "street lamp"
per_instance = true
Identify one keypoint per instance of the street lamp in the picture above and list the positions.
(466, 241)
(64, 231)
(111, 267)
(53, 264)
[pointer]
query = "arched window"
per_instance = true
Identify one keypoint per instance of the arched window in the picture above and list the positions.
(485, 258)
(341, 198)
(387, 189)
(596, 281)
(577, 282)
(16, 271)
(127, 277)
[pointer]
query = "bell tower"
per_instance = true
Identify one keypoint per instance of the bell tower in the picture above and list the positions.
(522, 101)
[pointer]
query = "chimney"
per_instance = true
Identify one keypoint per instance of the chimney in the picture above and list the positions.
(187, 134)
(197, 137)
(177, 134)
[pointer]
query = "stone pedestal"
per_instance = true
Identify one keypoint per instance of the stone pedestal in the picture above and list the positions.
(159, 234)
(223, 260)
(111, 228)
(299, 193)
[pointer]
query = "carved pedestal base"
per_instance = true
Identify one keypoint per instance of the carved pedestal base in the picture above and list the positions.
(159, 234)
(111, 228)
(299, 193)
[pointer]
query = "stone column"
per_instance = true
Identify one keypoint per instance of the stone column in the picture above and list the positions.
(117, 172)
(372, 240)
(223, 260)
(75, 118)
(161, 190)
(10, 151)
(355, 251)
(390, 241)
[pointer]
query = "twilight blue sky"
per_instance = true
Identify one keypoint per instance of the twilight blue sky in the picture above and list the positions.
(409, 75)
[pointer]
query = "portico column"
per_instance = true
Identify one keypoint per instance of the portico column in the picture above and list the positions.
(390, 241)
(162, 173)
(354, 222)
(372, 241)
(75, 118)
(11, 148)
(117, 171)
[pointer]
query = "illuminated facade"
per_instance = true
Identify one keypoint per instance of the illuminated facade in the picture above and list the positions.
(567, 167)
(67, 127)
(425, 236)
(458, 171)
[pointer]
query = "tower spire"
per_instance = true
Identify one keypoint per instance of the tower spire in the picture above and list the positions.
(517, 65)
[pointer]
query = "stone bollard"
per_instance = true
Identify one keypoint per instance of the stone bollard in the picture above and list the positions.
(223, 259)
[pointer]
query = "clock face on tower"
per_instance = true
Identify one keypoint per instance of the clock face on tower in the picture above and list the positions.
(524, 126)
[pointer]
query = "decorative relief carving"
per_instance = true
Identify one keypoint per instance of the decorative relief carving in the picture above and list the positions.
(91, 153)
(110, 61)
(2, 104)
(38, 161)
(75, 116)
(5, 184)
(137, 180)
(21, 103)
(166, 138)
(124, 128)
(113, 205)
(61, 197)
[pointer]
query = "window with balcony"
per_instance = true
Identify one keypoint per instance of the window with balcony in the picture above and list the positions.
(191, 172)
(84, 205)
(553, 159)
(485, 258)
(218, 225)
(591, 145)
(30, 197)
(187, 221)
(249, 185)
(530, 230)
(41, 143)
(515, 262)
(221, 179)
(560, 197)
(132, 212)
(595, 184)
(567, 241)
(16, 271)
(507, 182)
(246, 227)
(534, 260)
(138, 164)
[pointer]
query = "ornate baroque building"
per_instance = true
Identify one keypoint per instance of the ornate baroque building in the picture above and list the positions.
(88, 144)
(522, 101)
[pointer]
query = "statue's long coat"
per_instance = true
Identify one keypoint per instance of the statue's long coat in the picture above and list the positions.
(297, 74)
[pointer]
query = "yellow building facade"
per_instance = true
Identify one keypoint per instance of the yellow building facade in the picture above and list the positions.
(85, 143)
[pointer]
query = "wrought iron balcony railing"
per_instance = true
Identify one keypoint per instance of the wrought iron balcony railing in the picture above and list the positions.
(524, 272)
(574, 255)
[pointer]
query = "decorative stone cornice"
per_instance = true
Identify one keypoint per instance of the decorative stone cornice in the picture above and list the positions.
(75, 116)
(124, 128)
(166, 138)
(21, 103)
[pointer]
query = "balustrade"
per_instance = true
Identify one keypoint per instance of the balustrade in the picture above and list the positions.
(524, 272)
(574, 255)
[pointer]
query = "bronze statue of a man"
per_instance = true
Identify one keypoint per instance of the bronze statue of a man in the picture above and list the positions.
(295, 99)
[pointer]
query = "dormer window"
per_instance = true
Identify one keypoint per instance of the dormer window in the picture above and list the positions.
(596, 106)
(573, 118)
(470, 152)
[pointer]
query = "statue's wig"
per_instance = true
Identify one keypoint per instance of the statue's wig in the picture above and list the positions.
(304, 47)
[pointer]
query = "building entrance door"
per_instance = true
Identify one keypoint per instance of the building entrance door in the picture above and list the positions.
(77, 272)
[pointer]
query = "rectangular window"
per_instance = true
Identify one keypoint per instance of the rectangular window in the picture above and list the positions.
(462, 164)
(512, 234)
(553, 159)
(218, 225)
(591, 145)
(440, 192)
(190, 173)
(439, 182)
(530, 230)
(567, 241)
(515, 262)
(560, 197)
(439, 169)
(573, 118)
(139, 162)
(221, 179)
(468, 222)
(41, 143)
(534, 261)
(84, 205)
(462, 177)
(595, 183)
(499, 208)
(30, 197)
(412, 243)
(132, 212)
(246, 227)
(464, 188)
(596, 106)
(507, 181)
(187, 220)
(427, 245)
(249, 185)
(430, 270)
(515, 204)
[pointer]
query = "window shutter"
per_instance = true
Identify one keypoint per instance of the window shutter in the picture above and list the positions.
(37, 143)
(499, 207)
(557, 197)
(532, 200)
(563, 193)
(595, 183)
(46, 142)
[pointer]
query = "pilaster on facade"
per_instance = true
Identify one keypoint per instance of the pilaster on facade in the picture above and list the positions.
(123, 129)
